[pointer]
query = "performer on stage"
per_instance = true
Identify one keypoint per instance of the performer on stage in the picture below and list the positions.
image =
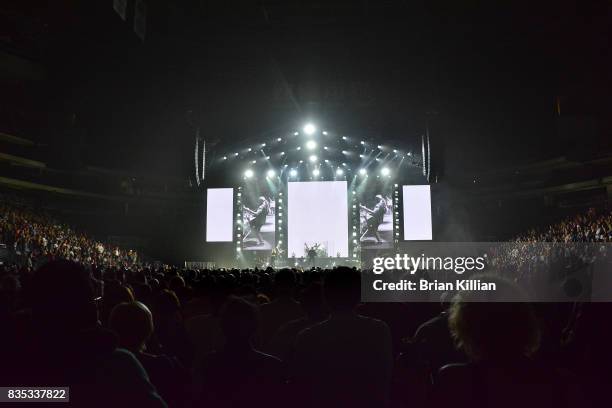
(276, 252)
(376, 217)
(258, 219)
(311, 252)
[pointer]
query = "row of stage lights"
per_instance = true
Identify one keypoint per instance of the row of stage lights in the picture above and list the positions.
(309, 130)
(293, 173)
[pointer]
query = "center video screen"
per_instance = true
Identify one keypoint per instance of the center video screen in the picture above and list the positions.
(376, 218)
(258, 217)
(317, 217)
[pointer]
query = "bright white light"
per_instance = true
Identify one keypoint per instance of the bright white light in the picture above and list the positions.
(282, 153)
(249, 149)
(263, 145)
(409, 153)
(299, 148)
(248, 173)
(344, 152)
(394, 150)
(296, 133)
(309, 129)
(254, 161)
(380, 146)
(385, 171)
(271, 173)
(293, 172)
(224, 157)
(301, 161)
(339, 172)
(363, 172)
(315, 172)
(325, 132)
(362, 142)
(325, 147)
(362, 156)
(311, 144)
(278, 139)
(312, 158)
(344, 137)
(326, 161)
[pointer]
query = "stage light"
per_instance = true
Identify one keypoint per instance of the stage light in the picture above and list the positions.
(394, 150)
(263, 145)
(299, 148)
(326, 161)
(363, 172)
(344, 164)
(312, 158)
(271, 173)
(296, 133)
(293, 172)
(385, 171)
(344, 152)
(301, 161)
(248, 173)
(379, 146)
(315, 172)
(254, 161)
(282, 153)
(344, 137)
(249, 149)
(267, 157)
(362, 142)
(311, 144)
(279, 139)
(339, 172)
(325, 132)
(235, 154)
(224, 157)
(325, 147)
(309, 129)
(409, 153)
(362, 156)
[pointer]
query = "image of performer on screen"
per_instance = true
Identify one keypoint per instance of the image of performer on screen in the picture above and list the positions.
(257, 220)
(374, 218)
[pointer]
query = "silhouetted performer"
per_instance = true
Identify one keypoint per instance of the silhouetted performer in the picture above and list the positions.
(258, 220)
(311, 253)
(376, 217)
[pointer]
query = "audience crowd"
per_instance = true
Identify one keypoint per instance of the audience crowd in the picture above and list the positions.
(120, 333)
(35, 237)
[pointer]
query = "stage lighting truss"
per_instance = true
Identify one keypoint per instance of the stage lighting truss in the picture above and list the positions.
(383, 160)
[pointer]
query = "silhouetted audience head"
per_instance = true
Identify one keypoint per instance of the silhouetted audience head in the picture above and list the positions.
(284, 281)
(342, 289)
(239, 321)
(133, 324)
(487, 329)
(311, 299)
(63, 297)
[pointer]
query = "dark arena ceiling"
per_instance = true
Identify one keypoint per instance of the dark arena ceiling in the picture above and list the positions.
(485, 77)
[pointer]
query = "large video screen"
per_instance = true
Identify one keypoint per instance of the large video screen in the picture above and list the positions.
(376, 218)
(258, 218)
(417, 213)
(219, 214)
(317, 217)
